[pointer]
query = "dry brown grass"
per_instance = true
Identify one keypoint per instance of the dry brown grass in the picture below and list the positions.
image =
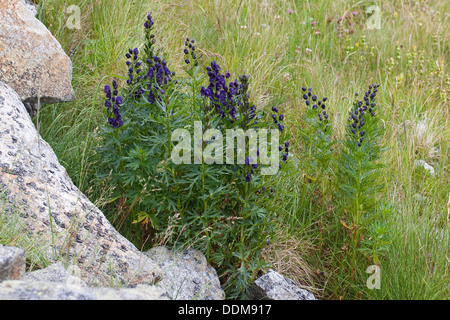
(286, 256)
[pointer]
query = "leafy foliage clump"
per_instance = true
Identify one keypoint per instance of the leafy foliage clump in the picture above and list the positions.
(163, 190)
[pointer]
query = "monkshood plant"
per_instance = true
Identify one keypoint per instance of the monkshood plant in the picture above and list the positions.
(316, 132)
(358, 177)
(191, 198)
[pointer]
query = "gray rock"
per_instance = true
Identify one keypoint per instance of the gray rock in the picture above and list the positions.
(12, 263)
(32, 61)
(68, 225)
(56, 273)
(274, 286)
(41, 290)
(187, 275)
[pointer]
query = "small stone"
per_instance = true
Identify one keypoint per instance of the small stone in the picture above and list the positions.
(274, 286)
(12, 263)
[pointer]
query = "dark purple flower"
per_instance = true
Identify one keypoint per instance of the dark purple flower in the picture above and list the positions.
(274, 117)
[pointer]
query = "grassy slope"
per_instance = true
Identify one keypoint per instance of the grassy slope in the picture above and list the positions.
(269, 41)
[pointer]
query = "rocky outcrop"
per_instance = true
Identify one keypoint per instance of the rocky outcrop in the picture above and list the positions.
(32, 61)
(68, 224)
(56, 283)
(274, 286)
(45, 290)
(186, 275)
(12, 263)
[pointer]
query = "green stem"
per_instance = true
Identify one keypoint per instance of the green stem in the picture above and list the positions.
(356, 216)
(308, 164)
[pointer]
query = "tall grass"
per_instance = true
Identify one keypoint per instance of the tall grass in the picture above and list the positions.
(276, 43)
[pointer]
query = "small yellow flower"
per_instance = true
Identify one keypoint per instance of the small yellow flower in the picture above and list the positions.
(357, 45)
(395, 14)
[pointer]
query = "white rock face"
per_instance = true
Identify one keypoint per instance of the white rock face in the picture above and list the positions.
(68, 224)
(31, 6)
(32, 61)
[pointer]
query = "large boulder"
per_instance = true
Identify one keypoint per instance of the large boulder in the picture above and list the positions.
(32, 61)
(69, 226)
(186, 275)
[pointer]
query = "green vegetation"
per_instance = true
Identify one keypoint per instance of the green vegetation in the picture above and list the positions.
(284, 45)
